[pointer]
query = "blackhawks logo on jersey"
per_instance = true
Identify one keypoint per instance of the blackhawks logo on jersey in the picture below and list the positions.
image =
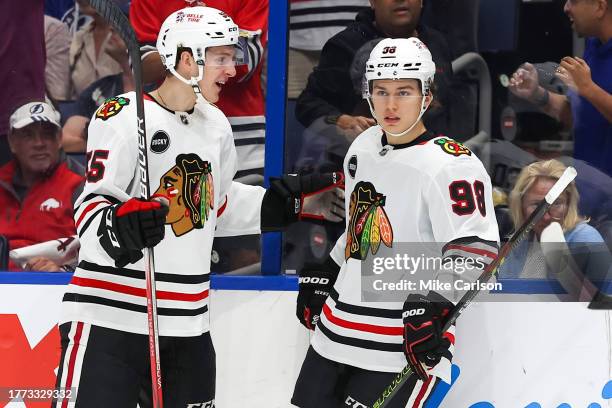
(368, 222)
(450, 146)
(189, 187)
(111, 107)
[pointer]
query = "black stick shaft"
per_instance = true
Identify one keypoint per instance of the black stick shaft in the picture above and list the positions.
(117, 19)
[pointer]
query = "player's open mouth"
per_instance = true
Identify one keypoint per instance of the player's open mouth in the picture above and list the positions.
(220, 84)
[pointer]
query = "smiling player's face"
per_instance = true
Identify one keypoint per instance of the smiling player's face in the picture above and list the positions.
(219, 67)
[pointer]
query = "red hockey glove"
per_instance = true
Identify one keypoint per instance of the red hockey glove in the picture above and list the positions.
(424, 342)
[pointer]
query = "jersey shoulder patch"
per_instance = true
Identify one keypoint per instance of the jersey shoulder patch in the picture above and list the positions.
(111, 107)
(451, 147)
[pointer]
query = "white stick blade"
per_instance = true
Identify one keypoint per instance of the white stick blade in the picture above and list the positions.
(567, 177)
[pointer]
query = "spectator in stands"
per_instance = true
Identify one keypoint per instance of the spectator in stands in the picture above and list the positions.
(330, 92)
(311, 24)
(242, 98)
(37, 188)
(74, 134)
(89, 60)
(22, 53)
(588, 106)
(585, 243)
(57, 69)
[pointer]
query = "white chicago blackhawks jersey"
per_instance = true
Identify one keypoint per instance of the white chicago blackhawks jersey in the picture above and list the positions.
(430, 190)
(191, 161)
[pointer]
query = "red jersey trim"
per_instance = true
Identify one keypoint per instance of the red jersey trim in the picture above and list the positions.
(222, 208)
(130, 290)
(370, 328)
(476, 251)
(88, 209)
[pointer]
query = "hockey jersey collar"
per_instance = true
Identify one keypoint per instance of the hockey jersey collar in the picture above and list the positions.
(148, 97)
(422, 139)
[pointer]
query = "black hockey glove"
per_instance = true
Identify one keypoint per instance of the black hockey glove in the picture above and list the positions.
(424, 342)
(316, 280)
(291, 198)
(128, 228)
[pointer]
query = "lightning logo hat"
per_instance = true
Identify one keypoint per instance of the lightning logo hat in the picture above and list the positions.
(34, 112)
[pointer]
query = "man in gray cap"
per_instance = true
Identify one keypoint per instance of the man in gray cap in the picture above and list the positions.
(37, 187)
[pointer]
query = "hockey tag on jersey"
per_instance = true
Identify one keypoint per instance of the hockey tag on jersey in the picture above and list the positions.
(189, 188)
(450, 146)
(368, 222)
(111, 107)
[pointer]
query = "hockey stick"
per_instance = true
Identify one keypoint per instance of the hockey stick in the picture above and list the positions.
(520, 234)
(109, 10)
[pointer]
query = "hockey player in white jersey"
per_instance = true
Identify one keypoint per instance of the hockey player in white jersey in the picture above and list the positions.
(192, 161)
(403, 185)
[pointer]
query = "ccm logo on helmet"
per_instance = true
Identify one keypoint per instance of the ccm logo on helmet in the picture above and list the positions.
(387, 64)
(314, 279)
(413, 312)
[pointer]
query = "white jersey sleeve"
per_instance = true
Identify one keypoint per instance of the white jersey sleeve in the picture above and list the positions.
(241, 212)
(460, 203)
(228, 165)
(240, 204)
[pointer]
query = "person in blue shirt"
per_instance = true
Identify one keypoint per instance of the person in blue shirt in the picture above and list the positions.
(588, 106)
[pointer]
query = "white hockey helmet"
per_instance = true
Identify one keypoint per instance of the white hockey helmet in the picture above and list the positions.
(196, 28)
(400, 58)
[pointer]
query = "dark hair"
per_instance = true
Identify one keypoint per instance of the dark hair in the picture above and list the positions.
(433, 91)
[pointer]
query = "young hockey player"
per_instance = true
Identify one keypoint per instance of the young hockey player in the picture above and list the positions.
(191, 164)
(403, 185)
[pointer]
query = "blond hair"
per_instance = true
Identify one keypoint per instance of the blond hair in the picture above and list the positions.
(550, 169)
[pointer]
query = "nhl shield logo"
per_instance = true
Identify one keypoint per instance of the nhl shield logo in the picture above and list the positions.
(352, 166)
(160, 142)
